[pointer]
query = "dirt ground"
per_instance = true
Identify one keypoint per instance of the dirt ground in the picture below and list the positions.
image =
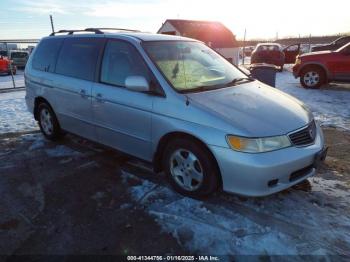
(70, 197)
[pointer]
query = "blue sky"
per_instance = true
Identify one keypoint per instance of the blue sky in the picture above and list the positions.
(261, 18)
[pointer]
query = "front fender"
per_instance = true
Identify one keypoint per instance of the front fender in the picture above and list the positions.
(311, 63)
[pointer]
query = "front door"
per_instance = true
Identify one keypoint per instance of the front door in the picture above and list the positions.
(122, 117)
(340, 65)
(291, 53)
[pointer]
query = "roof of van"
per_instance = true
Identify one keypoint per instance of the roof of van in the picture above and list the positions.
(137, 35)
(154, 37)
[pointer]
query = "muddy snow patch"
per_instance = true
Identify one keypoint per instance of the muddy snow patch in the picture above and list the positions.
(283, 224)
(331, 187)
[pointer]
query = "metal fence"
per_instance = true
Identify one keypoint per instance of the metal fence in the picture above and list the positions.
(15, 78)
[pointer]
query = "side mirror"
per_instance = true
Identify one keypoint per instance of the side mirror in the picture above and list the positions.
(137, 83)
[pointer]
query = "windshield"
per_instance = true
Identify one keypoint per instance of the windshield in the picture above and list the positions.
(19, 55)
(192, 66)
(347, 46)
(268, 48)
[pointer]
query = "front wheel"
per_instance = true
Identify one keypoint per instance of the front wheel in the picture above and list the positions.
(312, 77)
(48, 122)
(190, 168)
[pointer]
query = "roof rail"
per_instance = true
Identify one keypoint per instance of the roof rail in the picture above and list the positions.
(70, 32)
(100, 29)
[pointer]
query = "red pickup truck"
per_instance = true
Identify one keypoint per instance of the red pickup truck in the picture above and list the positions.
(5, 66)
(318, 68)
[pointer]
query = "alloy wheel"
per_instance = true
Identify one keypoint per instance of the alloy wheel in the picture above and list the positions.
(46, 121)
(311, 78)
(186, 169)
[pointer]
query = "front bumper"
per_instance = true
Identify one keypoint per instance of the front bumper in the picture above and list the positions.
(267, 173)
(296, 70)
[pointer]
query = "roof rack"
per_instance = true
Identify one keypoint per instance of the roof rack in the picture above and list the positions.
(93, 30)
(111, 28)
(70, 32)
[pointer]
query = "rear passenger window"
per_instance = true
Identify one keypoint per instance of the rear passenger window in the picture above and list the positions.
(46, 54)
(78, 57)
(121, 60)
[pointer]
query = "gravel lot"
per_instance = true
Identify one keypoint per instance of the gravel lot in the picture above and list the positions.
(75, 197)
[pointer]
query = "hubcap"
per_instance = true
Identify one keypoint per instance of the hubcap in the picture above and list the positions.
(311, 78)
(186, 169)
(46, 121)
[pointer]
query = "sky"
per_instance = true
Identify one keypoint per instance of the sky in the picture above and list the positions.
(261, 18)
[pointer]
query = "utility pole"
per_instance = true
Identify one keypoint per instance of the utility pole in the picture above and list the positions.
(310, 43)
(51, 20)
(245, 32)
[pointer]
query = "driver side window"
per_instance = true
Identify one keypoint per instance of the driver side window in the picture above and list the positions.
(120, 61)
(292, 48)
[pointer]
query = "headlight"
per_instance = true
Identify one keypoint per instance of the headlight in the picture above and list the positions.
(257, 145)
(298, 61)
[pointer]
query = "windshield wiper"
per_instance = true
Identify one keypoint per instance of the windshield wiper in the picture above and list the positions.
(199, 89)
(213, 87)
(236, 81)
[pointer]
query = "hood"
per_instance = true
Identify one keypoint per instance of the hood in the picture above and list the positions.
(256, 110)
(316, 53)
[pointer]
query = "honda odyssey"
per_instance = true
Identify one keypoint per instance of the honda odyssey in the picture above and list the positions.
(174, 102)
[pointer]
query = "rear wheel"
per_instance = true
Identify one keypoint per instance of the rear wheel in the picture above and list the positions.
(48, 122)
(190, 168)
(312, 77)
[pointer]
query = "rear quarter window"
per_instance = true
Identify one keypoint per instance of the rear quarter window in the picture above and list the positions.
(46, 53)
(79, 57)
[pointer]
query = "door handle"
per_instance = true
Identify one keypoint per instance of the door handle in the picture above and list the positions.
(99, 98)
(83, 93)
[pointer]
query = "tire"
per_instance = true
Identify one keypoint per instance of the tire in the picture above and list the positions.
(48, 122)
(312, 77)
(190, 168)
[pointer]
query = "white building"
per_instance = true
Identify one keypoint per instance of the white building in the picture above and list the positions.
(214, 34)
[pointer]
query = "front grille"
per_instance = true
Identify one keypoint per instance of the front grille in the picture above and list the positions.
(305, 136)
(300, 173)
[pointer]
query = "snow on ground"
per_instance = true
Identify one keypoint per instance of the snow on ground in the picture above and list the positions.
(292, 223)
(14, 116)
(330, 107)
(6, 80)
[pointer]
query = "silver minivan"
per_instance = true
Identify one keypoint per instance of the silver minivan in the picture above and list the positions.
(174, 102)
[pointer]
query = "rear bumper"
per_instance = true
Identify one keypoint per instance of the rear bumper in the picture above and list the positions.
(276, 62)
(267, 173)
(30, 103)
